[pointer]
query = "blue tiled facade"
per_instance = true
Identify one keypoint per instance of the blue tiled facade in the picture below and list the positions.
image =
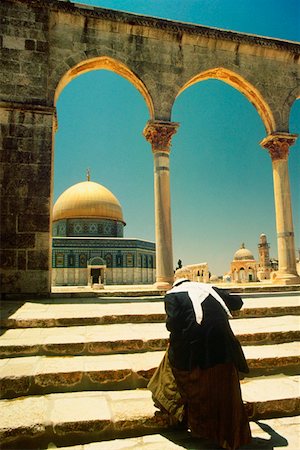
(68, 252)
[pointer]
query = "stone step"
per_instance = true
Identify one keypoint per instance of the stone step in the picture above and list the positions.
(280, 433)
(70, 418)
(121, 310)
(96, 313)
(44, 374)
(270, 305)
(129, 338)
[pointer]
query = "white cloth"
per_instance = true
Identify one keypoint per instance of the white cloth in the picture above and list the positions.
(197, 292)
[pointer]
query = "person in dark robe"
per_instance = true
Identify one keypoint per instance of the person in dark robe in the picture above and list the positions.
(198, 379)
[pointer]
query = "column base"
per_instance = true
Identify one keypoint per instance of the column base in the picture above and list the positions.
(285, 278)
(163, 285)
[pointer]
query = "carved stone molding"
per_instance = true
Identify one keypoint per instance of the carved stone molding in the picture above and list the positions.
(278, 145)
(159, 134)
(171, 26)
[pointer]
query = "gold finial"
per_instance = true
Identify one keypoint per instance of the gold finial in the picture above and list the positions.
(88, 174)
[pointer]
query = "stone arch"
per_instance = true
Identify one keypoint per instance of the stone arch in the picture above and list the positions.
(241, 84)
(96, 261)
(98, 63)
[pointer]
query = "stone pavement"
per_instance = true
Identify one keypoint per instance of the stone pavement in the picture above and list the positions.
(73, 373)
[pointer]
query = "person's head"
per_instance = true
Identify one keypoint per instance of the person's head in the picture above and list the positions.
(180, 275)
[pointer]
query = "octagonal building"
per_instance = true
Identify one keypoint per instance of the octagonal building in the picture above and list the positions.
(88, 246)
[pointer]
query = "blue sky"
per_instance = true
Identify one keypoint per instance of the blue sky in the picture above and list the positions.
(221, 179)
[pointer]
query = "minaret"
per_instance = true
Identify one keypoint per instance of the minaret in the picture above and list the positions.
(264, 258)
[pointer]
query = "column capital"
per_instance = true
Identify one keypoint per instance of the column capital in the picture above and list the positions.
(278, 145)
(159, 133)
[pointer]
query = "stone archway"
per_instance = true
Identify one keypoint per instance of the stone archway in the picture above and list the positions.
(160, 57)
(96, 269)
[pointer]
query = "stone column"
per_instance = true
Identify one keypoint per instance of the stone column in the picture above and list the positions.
(159, 134)
(278, 146)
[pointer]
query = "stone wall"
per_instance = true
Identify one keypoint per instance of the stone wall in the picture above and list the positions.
(45, 44)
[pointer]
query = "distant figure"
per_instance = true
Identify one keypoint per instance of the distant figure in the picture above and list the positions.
(198, 381)
(179, 264)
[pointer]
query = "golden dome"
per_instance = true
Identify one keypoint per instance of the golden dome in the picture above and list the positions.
(87, 199)
(243, 254)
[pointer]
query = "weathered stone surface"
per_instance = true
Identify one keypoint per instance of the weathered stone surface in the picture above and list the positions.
(58, 379)
(14, 386)
(277, 408)
(33, 222)
(37, 260)
(8, 258)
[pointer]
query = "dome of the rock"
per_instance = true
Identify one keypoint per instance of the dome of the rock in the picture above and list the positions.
(87, 200)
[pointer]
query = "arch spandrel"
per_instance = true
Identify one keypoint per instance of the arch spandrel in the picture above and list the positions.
(242, 85)
(104, 63)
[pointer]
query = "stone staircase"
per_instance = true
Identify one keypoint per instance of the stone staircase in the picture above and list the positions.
(73, 373)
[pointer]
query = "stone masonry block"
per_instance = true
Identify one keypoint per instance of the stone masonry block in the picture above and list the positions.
(42, 46)
(25, 281)
(8, 259)
(33, 222)
(29, 44)
(10, 143)
(42, 239)
(34, 205)
(38, 260)
(7, 223)
(10, 156)
(41, 187)
(13, 42)
(17, 241)
(22, 259)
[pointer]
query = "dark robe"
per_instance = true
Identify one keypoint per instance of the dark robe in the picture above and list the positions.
(209, 343)
(205, 359)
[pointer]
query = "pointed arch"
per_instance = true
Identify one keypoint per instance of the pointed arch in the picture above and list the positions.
(241, 84)
(105, 63)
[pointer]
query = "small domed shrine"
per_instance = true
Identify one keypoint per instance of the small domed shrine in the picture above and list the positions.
(243, 267)
(88, 243)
